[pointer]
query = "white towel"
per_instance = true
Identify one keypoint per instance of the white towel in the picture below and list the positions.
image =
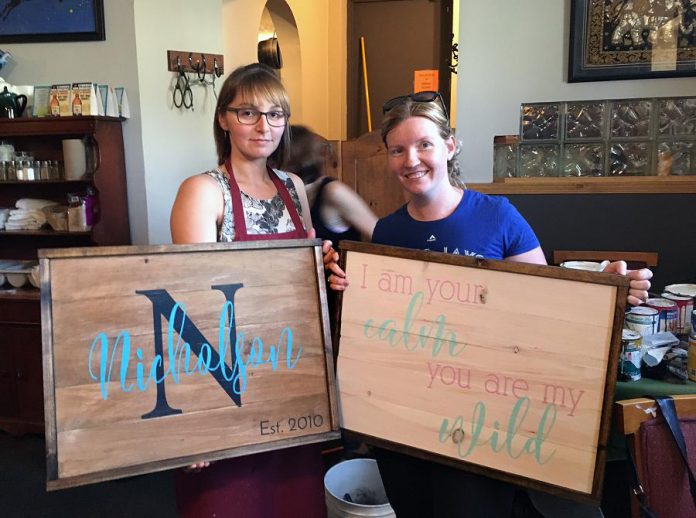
(33, 203)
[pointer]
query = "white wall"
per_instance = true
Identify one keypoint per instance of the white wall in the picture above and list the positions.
(515, 51)
(177, 143)
(113, 62)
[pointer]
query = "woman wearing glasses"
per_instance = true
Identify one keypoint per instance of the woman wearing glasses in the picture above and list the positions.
(244, 199)
(442, 215)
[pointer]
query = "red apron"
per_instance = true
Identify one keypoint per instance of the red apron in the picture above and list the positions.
(240, 228)
(287, 483)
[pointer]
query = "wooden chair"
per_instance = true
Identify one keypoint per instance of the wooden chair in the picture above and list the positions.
(364, 168)
(658, 463)
(634, 260)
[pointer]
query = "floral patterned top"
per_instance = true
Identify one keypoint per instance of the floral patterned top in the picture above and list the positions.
(261, 216)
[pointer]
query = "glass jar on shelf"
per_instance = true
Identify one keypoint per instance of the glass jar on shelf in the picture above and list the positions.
(45, 170)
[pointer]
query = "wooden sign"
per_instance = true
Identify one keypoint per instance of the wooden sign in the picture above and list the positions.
(158, 357)
(502, 368)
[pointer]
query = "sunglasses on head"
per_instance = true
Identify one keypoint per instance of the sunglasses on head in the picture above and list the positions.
(418, 97)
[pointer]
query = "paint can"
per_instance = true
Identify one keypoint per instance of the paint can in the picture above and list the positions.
(643, 320)
(685, 307)
(667, 313)
(691, 358)
(629, 364)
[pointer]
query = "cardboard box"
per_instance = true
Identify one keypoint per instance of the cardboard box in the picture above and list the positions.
(60, 98)
(84, 99)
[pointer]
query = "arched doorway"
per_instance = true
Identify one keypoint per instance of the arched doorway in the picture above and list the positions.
(278, 21)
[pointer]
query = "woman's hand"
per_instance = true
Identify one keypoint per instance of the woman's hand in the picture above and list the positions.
(640, 281)
(331, 263)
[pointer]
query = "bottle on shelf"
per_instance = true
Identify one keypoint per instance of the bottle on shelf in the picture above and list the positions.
(77, 214)
(76, 103)
(54, 105)
(91, 206)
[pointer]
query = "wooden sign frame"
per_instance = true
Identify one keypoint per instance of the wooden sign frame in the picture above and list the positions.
(273, 328)
(389, 404)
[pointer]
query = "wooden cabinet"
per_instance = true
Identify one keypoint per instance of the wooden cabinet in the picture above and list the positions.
(21, 383)
(21, 403)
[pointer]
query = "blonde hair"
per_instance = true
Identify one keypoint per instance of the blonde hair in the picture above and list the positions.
(434, 113)
(251, 82)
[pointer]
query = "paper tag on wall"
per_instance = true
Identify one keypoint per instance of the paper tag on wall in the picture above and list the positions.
(425, 81)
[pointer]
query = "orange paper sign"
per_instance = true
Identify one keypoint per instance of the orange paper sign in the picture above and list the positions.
(425, 80)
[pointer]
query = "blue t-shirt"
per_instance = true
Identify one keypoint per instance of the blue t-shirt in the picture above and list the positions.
(481, 226)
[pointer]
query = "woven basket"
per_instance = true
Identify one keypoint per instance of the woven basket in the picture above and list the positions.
(57, 217)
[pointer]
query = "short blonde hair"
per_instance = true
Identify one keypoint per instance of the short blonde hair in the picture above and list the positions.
(434, 113)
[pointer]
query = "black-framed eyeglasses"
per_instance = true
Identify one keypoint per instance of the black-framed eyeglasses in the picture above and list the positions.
(275, 118)
(418, 97)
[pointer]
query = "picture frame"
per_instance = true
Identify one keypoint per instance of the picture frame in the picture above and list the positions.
(67, 20)
(629, 39)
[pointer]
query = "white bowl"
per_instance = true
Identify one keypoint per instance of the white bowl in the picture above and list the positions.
(582, 265)
(34, 277)
(17, 279)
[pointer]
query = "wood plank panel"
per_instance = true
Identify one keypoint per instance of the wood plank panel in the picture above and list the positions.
(490, 364)
(249, 367)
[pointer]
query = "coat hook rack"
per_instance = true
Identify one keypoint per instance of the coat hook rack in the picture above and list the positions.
(196, 62)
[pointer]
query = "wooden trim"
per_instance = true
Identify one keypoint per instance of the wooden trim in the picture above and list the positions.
(631, 412)
(477, 468)
(609, 391)
(613, 185)
(153, 467)
(326, 331)
(489, 264)
(51, 432)
(86, 124)
(103, 251)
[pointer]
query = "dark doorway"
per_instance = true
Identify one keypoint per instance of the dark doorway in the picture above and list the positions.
(400, 36)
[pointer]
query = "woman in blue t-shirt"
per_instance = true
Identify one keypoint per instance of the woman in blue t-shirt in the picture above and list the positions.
(442, 215)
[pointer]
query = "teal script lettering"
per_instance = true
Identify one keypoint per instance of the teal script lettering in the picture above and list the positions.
(180, 358)
(500, 441)
(390, 331)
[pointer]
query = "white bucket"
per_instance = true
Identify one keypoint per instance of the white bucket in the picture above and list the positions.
(354, 488)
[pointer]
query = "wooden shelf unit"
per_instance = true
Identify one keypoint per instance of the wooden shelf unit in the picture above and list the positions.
(21, 379)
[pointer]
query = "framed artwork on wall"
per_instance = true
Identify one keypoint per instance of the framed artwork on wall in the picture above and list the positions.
(631, 39)
(23, 21)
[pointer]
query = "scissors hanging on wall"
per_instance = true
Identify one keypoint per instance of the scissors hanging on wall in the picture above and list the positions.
(182, 96)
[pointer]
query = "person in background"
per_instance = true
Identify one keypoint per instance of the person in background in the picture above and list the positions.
(337, 210)
(442, 215)
(243, 199)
